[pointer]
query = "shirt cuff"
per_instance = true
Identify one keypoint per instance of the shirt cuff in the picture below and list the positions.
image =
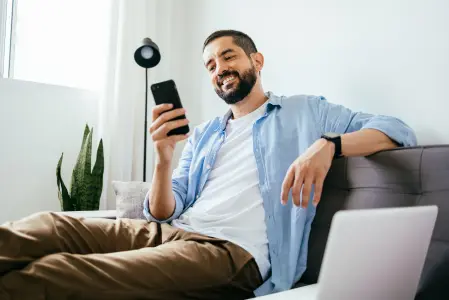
(395, 131)
(151, 218)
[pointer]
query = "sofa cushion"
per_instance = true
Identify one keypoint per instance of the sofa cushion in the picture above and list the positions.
(129, 198)
(400, 177)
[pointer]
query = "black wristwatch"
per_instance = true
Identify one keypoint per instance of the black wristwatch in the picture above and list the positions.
(336, 139)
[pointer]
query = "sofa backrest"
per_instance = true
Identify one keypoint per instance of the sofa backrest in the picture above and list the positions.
(400, 177)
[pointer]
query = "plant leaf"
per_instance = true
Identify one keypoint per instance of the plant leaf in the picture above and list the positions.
(97, 178)
(85, 191)
(58, 180)
(79, 171)
(63, 194)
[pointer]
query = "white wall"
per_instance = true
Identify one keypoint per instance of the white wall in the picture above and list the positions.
(37, 123)
(180, 59)
(383, 57)
(388, 57)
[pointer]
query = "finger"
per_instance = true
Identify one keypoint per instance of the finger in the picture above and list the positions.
(165, 117)
(159, 109)
(178, 137)
(306, 191)
(161, 132)
(287, 184)
(319, 182)
(297, 185)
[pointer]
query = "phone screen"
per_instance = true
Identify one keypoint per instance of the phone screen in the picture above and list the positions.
(166, 92)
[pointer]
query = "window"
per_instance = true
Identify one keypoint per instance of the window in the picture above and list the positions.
(56, 42)
(6, 8)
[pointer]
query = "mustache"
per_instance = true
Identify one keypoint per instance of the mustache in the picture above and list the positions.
(226, 74)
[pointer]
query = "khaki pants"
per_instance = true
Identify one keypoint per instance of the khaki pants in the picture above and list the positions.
(52, 256)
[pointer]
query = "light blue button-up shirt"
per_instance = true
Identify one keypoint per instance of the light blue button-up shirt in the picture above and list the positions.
(288, 127)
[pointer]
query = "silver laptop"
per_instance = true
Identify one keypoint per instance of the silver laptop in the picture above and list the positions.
(372, 254)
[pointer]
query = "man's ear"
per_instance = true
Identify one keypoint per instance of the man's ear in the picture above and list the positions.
(258, 61)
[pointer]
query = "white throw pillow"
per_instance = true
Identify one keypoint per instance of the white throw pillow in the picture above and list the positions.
(129, 198)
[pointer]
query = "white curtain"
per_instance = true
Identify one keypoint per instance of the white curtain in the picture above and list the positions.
(121, 108)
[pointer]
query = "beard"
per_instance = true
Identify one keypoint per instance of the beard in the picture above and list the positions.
(243, 87)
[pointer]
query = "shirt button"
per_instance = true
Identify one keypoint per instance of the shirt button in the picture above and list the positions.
(208, 167)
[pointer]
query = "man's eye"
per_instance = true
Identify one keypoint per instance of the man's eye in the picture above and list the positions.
(211, 68)
(229, 57)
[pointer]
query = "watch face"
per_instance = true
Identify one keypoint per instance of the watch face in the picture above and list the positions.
(332, 134)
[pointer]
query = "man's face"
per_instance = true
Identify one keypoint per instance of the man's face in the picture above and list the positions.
(232, 72)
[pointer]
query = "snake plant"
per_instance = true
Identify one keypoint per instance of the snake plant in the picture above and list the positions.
(87, 183)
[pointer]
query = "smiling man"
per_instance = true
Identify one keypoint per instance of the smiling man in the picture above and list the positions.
(232, 220)
(254, 176)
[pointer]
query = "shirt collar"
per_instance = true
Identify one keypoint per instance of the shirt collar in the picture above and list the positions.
(273, 101)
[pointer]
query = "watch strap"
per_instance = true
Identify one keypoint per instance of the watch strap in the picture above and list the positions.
(337, 142)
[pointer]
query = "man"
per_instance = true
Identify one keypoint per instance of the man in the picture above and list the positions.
(240, 203)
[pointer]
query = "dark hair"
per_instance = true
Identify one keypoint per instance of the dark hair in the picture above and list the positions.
(240, 39)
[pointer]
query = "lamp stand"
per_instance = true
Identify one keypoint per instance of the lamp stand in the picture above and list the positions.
(146, 128)
(147, 56)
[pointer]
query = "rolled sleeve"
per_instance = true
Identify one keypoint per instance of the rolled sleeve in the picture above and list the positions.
(177, 212)
(394, 128)
(339, 119)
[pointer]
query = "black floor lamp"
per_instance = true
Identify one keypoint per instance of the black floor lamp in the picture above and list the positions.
(147, 56)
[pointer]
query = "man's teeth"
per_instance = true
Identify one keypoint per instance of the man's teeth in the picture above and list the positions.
(228, 79)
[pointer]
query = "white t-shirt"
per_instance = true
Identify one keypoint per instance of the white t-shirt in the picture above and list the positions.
(230, 206)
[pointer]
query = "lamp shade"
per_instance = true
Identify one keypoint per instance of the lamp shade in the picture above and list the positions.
(147, 55)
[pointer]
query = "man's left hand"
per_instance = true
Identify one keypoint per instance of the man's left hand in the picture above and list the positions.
(309, 168)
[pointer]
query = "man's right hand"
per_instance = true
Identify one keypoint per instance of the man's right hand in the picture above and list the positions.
(160, 126)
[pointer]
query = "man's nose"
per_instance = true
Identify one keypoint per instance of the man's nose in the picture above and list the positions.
(221, 68)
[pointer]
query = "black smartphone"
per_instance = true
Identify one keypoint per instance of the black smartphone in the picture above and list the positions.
(166, 92)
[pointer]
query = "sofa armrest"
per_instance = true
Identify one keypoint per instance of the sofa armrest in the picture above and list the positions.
(106, 214)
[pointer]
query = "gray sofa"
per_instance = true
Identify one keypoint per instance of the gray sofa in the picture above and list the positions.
(399, 177)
